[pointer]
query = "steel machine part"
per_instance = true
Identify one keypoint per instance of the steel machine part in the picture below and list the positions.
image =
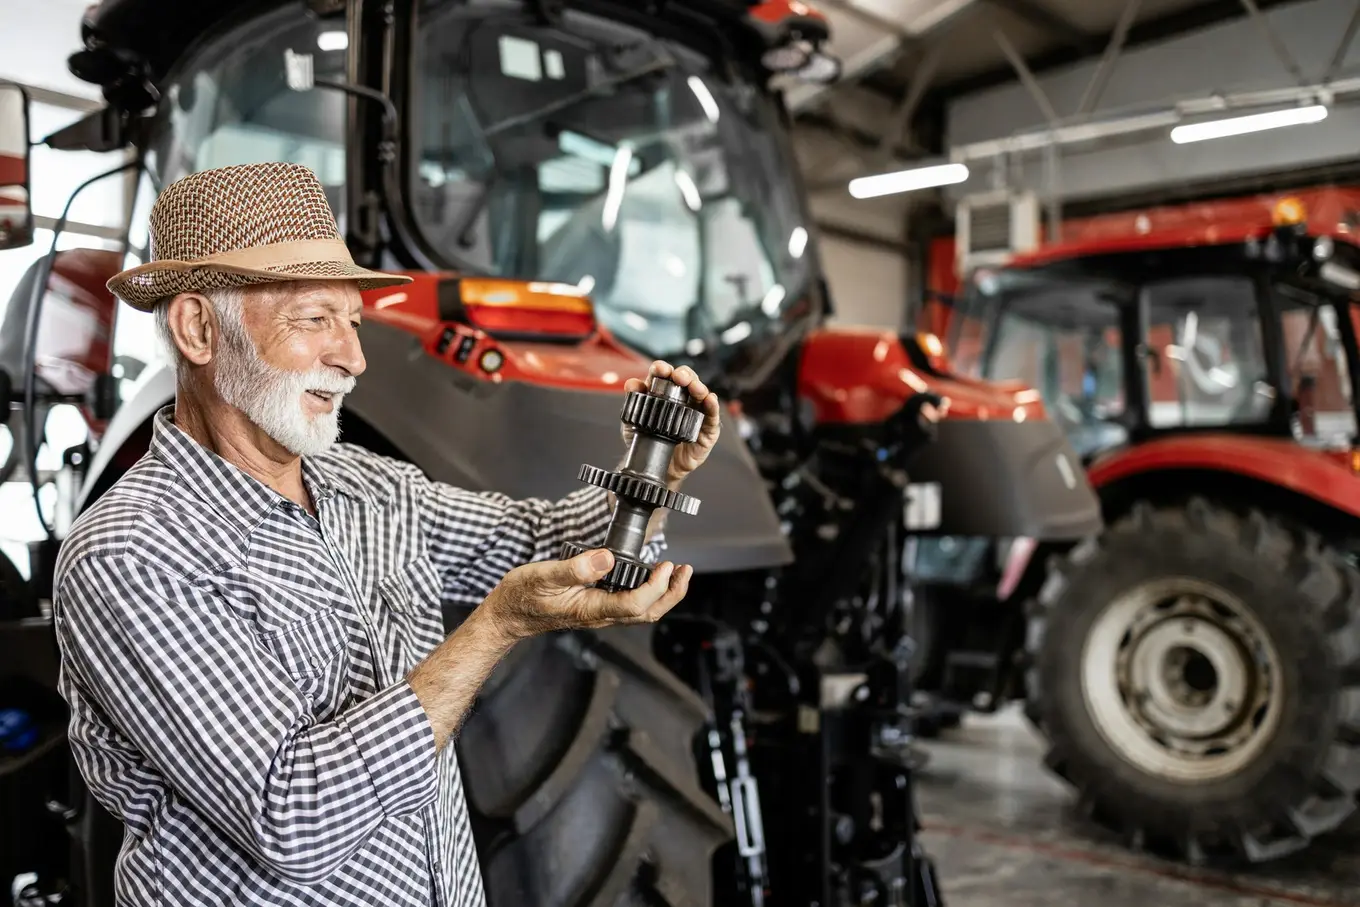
(661, 417)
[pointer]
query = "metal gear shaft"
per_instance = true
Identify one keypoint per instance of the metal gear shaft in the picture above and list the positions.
(661, 416)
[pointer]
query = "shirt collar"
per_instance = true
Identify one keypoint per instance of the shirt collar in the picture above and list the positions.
(237, 495)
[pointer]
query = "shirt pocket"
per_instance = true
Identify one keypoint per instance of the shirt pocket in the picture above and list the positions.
(413, 592)
(314, 653)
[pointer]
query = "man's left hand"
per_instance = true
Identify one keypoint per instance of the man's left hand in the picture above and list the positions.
(691, 455)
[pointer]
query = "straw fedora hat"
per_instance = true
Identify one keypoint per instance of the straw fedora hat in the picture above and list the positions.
(240, 225)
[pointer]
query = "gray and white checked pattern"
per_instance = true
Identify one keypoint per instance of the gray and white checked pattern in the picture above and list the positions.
(235, 667)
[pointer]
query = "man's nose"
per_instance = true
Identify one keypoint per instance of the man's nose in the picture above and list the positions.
(346, 352)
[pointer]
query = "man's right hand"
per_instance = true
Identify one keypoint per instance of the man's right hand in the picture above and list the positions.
(554, 595)
(531, 599)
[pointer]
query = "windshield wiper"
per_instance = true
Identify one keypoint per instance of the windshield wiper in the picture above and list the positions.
(662, 65)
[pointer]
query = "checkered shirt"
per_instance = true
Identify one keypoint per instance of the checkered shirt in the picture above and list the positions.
(235, 672)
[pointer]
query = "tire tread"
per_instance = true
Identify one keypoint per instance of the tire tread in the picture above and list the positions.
(1331, 587)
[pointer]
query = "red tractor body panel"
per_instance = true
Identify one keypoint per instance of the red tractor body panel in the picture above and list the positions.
(1331, 212)
(75, 336)
(863, 375)
(597, 363)
(776, 12)
(1325, 476)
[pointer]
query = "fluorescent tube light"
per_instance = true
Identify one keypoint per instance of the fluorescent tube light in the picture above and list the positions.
(332, 40)
(1217, 129)
(618, 181)
(705, 98)
(908, 180)
(688, 190)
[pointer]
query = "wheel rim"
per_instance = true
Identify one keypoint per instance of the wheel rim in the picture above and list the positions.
(1181, 680)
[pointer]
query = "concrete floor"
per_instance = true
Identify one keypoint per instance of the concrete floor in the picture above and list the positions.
(1004, 833)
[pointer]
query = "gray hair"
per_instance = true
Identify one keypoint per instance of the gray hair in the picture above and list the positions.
(229, 305)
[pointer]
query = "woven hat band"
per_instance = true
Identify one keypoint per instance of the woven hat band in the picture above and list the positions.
(280, 254)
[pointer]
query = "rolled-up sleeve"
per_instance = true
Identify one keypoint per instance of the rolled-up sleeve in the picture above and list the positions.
(186, 680)
(478, 537)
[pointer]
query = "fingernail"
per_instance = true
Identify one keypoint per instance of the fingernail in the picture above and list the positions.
(600, 560)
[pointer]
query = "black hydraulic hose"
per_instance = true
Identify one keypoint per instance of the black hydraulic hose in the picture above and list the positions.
(31, 341)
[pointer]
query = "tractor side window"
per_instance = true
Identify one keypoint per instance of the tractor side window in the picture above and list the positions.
(1316, 372)
(232, 104)
(1204, 359)
(1064, 341)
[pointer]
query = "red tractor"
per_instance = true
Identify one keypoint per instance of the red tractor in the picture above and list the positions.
(577, 188)
(1196, 668)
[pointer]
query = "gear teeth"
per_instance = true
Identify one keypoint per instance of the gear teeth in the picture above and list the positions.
(639, 489)
(668, 419)
(625, 575)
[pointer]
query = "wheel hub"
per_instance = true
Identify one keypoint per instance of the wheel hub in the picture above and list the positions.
(1181, 680)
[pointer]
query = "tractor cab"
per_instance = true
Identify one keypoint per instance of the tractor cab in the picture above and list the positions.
(642, 163)
(1138, 337)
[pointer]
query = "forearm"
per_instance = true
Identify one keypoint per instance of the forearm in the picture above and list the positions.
(447, 682)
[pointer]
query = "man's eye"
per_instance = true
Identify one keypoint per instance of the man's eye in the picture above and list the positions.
(317, 319)
(354, 324)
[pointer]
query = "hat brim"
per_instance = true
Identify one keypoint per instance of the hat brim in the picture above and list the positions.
(144, 285)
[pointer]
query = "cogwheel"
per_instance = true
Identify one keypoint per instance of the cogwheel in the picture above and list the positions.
(624, 575)
(638, 488)
(661, 417)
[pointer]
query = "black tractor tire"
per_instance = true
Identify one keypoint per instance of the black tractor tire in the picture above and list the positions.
(1302, 595)
(579, 768)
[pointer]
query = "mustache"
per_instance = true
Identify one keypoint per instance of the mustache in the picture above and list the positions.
(325, 380)
(332, 384)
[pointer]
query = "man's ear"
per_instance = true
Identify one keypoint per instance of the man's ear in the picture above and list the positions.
(193, 327)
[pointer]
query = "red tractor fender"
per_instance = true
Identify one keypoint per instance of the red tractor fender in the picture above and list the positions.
(75, 332)
(777, 12)
(997, 467)
(599, 362)
(1324, 476)
(862, 375)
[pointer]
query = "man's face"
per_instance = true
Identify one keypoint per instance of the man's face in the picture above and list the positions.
(290, 359)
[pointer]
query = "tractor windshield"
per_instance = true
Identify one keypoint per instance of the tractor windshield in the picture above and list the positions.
(598, 155)
(1192, 344)
(588, 153)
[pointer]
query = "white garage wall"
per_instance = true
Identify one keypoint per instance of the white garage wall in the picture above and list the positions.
(868, 284)
(36, 39)
(868, 280)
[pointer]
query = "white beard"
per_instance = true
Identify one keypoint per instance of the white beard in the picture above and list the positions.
(271, 397)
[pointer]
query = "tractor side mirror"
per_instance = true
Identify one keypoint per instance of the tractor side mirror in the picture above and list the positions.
(16, 210)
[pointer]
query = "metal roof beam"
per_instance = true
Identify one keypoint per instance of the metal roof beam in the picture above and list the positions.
(1041, 17)
(1343, 46)
(1276, 42)
(1090, 98)
(1210, 12)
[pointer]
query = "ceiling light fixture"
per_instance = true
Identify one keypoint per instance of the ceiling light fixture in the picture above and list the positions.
(908, 180)
(1256, 122)
(332, 40)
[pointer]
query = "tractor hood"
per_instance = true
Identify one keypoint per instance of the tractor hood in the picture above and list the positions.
(998, 467)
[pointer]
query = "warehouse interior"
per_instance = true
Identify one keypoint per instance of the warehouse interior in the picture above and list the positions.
(1027, 564)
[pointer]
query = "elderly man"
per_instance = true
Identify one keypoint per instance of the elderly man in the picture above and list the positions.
(260, 684)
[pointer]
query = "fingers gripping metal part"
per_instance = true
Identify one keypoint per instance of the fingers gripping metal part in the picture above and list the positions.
(661, 417)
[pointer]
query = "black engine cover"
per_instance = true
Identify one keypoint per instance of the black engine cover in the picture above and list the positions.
(1001, 478)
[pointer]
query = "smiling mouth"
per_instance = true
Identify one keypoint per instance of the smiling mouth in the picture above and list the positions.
(323, 395)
